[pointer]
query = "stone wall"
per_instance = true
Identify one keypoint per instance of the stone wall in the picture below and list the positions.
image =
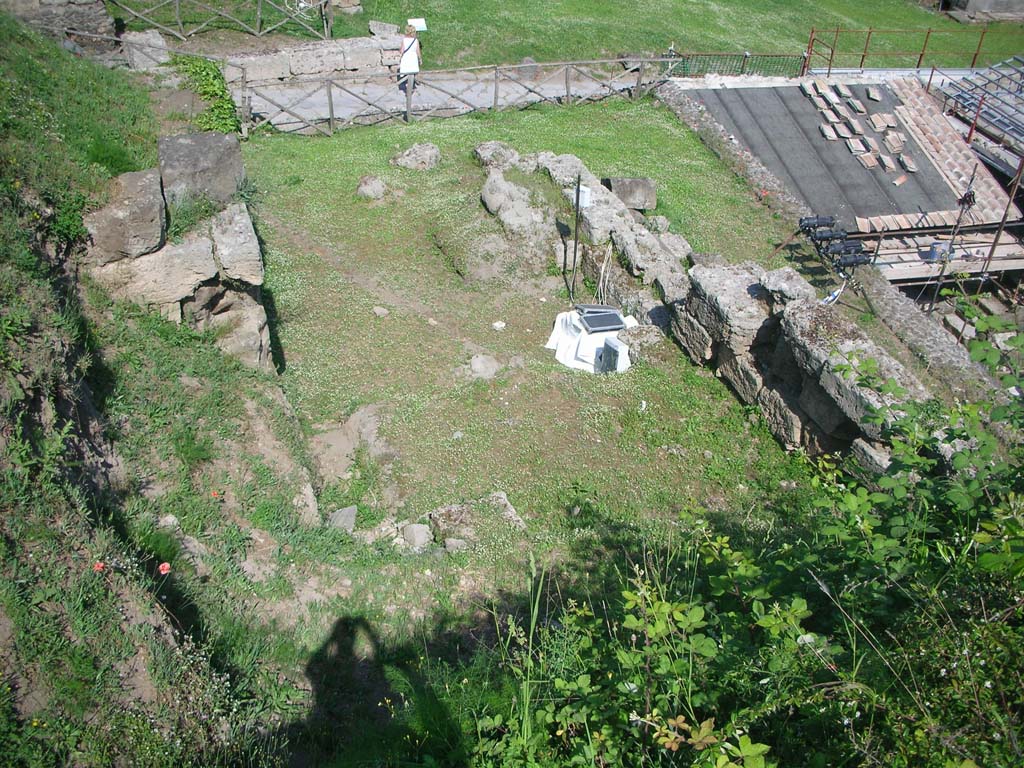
(377, 54)
(53, 15)
(210, 277)
(765, 333)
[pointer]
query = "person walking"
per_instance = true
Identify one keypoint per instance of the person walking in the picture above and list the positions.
(412, 58)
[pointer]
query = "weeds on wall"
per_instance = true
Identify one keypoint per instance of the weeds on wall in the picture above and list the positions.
(205, 78)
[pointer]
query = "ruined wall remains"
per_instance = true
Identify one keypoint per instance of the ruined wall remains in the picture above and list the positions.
(54, 15)
(765, 333)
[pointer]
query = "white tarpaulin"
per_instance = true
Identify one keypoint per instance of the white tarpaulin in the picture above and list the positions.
(575, 347)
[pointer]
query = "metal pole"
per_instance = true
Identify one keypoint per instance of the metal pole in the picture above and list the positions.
(928, 88)
(330, 106)
(408, 97)
(924, 48)
(864, 54)
(974, 122)
(177, 16)
(568, 87)
(575, 242)
(496, 81)
(1006, 213)
(244, 121)
(259, 18)
(981, 39)
(743, 66)
(965, 202)
(832, 53)
(807, 54)
(639, 81)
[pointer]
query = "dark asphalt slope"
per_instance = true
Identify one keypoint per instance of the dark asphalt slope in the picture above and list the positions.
(780, 126)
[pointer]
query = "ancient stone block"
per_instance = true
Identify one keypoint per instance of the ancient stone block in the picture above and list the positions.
(383, 29)
(145, 50)
(692, 336)
(236, 247)
(258, 67)
(362, 53)
(317, 58)
(165, 276)
(822, 409)
(872, 457)
(741, 373)
(782, 415)
(729, 302)
(640, 194)
(201, 165)
(786, 285)
(132, 223)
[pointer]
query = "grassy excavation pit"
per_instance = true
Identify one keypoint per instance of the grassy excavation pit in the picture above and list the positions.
(640, 446)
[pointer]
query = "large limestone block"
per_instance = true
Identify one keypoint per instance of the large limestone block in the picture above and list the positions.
(163, 277)
(259, 67)
(145, 50)
(822, 409)
(825, 345)
(691, 335)
(362, 53)
(729, 302)
(786, 285)
(133, 223)
(782, 415)
(236, 246)
(201, 165)
(317, 58)
(640, 249)
(383, 29)
(639, 194)
(742, 374)
(511, 204)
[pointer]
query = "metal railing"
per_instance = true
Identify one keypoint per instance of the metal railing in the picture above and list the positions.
(840, 48)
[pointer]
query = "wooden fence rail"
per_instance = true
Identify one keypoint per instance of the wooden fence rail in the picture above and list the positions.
(183, 18)
(323, 105)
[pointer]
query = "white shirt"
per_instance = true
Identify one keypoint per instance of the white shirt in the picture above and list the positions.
(410, 61)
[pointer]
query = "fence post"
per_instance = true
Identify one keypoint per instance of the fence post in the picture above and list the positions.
(497, 79)
(329, 21)
(330, 105)
(924, 48)
(639, 81)
(807, 54)
(408, 97)
(977, 52)
(259, 18)
(928, 88)
(743, 66)
(832, 53)
(244, 121)
(864, 54)
(177, 17)
(974, 122)
(568, 86)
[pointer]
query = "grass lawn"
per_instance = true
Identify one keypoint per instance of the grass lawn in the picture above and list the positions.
(470, 32)
(537, 431)
(464, 32)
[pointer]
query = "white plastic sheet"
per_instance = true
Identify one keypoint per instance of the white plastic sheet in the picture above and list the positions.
(576, 348)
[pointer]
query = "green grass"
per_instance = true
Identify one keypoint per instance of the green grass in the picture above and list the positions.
(469, 32)
(536, 431)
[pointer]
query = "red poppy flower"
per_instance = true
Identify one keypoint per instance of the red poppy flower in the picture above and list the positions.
(164, 569)
(99, 566)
